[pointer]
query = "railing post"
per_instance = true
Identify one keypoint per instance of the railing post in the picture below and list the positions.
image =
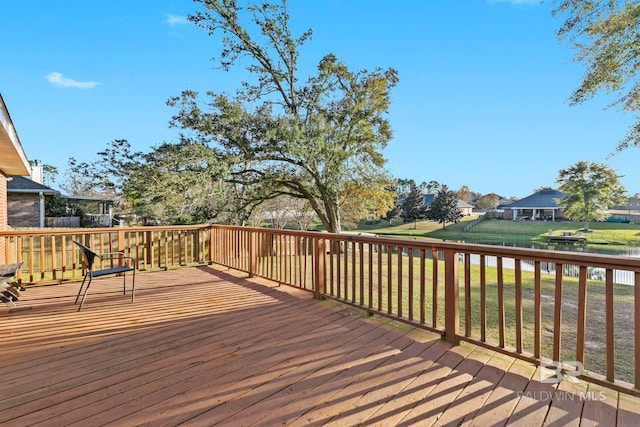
(148, 244)
(121, 241)
(121, 247)
(319, 275)
(211, 244)
(7, 248)
(451, 296)
(252, 253)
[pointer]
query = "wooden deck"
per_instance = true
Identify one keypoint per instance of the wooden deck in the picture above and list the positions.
(207, 347)
(567, 239)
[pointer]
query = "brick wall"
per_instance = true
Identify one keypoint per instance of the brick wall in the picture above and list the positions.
(3, 215)
(23, 210)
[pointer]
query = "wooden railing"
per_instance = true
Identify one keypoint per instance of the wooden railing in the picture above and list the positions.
(532, 304)
(49, 255)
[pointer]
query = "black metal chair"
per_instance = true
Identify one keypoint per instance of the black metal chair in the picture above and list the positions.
(126, 264)
(10, 290)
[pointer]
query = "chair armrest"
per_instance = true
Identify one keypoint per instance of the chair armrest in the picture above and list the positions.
(117, 255)
(111, 254)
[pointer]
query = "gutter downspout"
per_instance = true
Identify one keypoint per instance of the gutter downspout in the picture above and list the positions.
(41, 194)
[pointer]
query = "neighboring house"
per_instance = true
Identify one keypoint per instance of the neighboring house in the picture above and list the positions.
(100, 208)
(630, 210)
(13, 161)
(498, 211)
(503, 203)
(25, 201)
(632, 205)
(538, 206)
(26, 205)
(465, 208)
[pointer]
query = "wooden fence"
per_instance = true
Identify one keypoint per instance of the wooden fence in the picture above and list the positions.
(538, 305)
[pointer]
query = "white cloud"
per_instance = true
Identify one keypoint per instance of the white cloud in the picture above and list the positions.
(58, 80)
(173, 20)
(515, 1)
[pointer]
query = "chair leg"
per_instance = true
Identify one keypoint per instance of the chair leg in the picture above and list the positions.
(86, 290)
(80, 290)
(133, 286)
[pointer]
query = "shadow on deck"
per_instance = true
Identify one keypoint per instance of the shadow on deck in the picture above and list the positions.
(208, 347)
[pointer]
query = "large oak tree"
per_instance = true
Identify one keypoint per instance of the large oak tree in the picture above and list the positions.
(605, 35)
(317, 140)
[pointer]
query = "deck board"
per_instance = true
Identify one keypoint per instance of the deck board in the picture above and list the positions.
(205, 346)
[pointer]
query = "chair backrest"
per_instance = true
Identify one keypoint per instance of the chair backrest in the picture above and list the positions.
(88, 256)
(9, 270)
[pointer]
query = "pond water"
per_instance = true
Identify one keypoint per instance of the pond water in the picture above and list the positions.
(594, 273)
(630, 251)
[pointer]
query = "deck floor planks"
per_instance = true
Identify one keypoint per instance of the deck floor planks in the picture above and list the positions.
(119, 346)
(284, 405)
(600, 410)
(381, 387)
(358, 385)
(188, 371)
(117, 363)
(251, 382)
(427, 358)
(263, 411)
(431, 407)
(426, 409)
(341, 375)
(475, 395)
(151, 368)
(434, 369)
(504, 398)
(628, 412)
(533, 403)
(202, 346)
(565, 409)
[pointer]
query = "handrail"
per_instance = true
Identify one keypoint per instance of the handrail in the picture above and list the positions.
(540, 305)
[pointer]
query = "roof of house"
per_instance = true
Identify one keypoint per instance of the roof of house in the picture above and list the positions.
(13, 160)
(428, 199)
(632, 203)
(91, 198)
(21, 184)
(543, 199)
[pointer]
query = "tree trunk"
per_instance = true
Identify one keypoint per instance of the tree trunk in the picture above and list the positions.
(328, 216)
(333, 216)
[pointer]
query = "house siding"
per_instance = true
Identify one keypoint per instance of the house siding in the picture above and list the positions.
(23, 210)
(3, 216)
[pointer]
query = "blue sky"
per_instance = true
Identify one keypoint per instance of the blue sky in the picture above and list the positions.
(481, 99)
